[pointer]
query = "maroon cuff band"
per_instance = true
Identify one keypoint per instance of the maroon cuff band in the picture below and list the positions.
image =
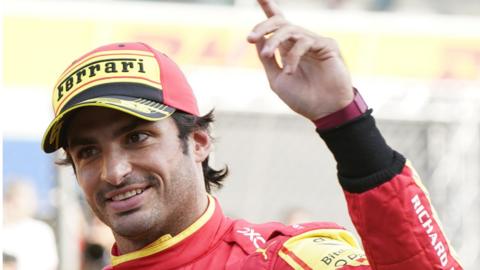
(353, 110)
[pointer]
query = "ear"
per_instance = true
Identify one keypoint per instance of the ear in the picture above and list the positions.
(202, 145)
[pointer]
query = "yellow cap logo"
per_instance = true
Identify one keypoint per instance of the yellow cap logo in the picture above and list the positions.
(106, 67)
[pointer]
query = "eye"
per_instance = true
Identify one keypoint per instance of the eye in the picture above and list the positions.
(87, 152)
(136, 137)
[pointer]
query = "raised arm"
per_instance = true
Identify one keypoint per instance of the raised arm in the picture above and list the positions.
(387, 202)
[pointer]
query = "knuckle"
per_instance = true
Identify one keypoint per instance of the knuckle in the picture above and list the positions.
(301, 46)
(258, 27)
(291, 29)
(272, 42)
(294, 54)
(297, 33)
(332, 43)
(298, 52)
(305, 40)
(279, 19)
(296, 36)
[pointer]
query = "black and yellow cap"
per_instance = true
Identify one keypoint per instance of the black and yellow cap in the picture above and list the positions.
(129, 77)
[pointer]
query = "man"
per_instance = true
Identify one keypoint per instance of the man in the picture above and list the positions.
(129, 124)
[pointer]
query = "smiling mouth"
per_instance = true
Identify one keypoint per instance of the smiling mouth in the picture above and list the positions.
(127, 195)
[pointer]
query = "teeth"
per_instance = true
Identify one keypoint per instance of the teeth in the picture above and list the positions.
(127, 195)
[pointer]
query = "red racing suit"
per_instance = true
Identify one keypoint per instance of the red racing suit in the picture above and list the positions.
(387, 202)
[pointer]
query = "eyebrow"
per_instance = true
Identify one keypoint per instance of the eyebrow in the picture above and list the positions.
(129, 126)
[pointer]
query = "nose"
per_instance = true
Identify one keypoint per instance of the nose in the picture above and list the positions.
(116, 166)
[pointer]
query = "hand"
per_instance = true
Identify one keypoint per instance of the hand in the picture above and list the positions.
(313, 79)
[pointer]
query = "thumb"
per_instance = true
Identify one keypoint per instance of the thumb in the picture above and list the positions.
(269, 63)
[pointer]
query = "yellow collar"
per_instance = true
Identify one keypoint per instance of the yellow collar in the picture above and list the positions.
(166, 241)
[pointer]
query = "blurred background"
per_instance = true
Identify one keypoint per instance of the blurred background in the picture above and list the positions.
(417, 63)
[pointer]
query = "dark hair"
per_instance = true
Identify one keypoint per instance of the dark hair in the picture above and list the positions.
(186, 124)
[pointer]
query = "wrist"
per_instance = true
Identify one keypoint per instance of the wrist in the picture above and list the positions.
(353, 110)
(364, 160)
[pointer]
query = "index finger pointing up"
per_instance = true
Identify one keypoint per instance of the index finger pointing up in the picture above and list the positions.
(270, 8)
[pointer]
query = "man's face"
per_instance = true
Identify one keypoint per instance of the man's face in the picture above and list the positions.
(134, 173)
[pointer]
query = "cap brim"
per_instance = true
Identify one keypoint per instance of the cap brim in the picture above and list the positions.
(142, 108)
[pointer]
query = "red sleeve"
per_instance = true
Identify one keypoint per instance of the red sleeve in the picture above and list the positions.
(387, 202)
(399, 227)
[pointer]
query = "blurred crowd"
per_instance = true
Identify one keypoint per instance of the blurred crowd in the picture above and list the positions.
(29, 242)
